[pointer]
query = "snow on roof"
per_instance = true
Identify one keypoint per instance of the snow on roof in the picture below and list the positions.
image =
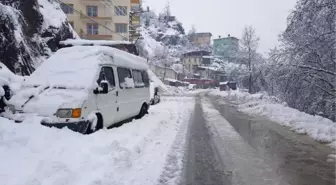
(223, 83)
(52, 14)
(79, 42)
(76, 67)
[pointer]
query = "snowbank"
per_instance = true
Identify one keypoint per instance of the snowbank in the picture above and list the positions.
(33, 154)
(176, 91)
(317, 127)
(158, 83)
(9, 78)
(79, 42)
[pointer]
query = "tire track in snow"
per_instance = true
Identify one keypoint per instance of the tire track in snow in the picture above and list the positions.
(247, 168)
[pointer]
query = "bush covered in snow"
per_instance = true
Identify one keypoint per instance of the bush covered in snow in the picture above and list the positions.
(30, 30)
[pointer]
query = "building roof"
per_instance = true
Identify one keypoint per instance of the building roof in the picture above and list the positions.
(197, 53)
(203, 34)
(224, 38)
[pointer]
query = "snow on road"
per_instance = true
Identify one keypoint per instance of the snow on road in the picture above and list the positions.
(146, 151)
(317, 127)
(238, 156)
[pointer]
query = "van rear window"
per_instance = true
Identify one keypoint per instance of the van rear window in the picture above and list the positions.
(145, 78)
(138, 79)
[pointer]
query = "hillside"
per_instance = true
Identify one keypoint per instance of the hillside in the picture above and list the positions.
(164, 38)
(30, 31)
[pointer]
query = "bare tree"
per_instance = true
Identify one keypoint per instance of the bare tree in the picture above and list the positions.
(249, 44)
(161, 55)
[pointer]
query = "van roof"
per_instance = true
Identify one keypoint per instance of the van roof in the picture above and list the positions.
(76, 67)
(122, 45)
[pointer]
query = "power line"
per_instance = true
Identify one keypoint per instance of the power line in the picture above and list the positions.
(79, 12)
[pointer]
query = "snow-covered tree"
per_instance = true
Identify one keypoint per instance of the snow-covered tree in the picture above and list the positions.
(303, 70)
(249, 45)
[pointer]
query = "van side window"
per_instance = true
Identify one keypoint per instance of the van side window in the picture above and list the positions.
(125, 78)
(145, 78)
(138, 80)
(106, 73)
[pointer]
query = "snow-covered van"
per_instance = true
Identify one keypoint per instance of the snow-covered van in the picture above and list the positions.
(86, 88)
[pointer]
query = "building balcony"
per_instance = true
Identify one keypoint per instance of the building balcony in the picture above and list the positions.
(96, 37)
(106, 18)
(135, 1)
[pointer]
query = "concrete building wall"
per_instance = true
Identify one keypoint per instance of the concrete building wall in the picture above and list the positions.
(106, 16)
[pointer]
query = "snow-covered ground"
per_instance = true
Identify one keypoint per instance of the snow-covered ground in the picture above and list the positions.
(145, 151)
(317, 127)
(173, 91)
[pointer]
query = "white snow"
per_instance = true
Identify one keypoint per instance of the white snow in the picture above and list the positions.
(129, 83)
(76, 67)
(136, 153)
(317, 127)
(156, 81)
(13, 15)
(79, 42)
(9, 78)
(52, 14)
(47, 102)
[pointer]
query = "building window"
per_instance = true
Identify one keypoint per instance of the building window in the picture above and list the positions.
(67, 8)
(92, 28)
(71, 23)
(92, 11)
(120, 10)
(121, 28)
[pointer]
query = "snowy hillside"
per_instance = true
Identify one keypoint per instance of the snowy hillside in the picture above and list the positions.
(31, 31)
(163, 38)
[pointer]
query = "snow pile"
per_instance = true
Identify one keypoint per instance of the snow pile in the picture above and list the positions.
(121, 155)
(9, 78)
(157, 81)
(317, 127)
(184, 91)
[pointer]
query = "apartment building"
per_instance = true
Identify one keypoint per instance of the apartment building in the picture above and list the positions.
(136, 10)
(94, 19)
(201, 38)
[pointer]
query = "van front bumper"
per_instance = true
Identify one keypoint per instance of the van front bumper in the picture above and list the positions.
(79, 126)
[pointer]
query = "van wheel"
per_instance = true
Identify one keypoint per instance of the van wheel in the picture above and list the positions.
(143, 112)
(99, 124)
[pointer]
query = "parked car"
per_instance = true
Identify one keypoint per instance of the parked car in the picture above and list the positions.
(86, 88)
(155, 96)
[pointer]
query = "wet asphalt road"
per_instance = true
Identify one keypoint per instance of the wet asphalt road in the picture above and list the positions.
(204, 165)
(297, 159)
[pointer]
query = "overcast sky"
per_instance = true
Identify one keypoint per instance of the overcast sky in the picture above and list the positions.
(223, 17)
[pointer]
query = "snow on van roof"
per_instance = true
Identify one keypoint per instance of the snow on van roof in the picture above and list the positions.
(76, 67)
(79, 42)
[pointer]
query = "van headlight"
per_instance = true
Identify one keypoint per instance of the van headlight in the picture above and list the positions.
(69, 113)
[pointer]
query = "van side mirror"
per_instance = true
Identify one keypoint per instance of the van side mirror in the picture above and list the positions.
(103, 89)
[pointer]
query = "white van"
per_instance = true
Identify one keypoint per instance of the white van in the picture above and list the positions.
(86, 88)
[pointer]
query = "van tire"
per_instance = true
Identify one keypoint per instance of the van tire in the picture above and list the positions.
(143, 111)
(98, 126)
